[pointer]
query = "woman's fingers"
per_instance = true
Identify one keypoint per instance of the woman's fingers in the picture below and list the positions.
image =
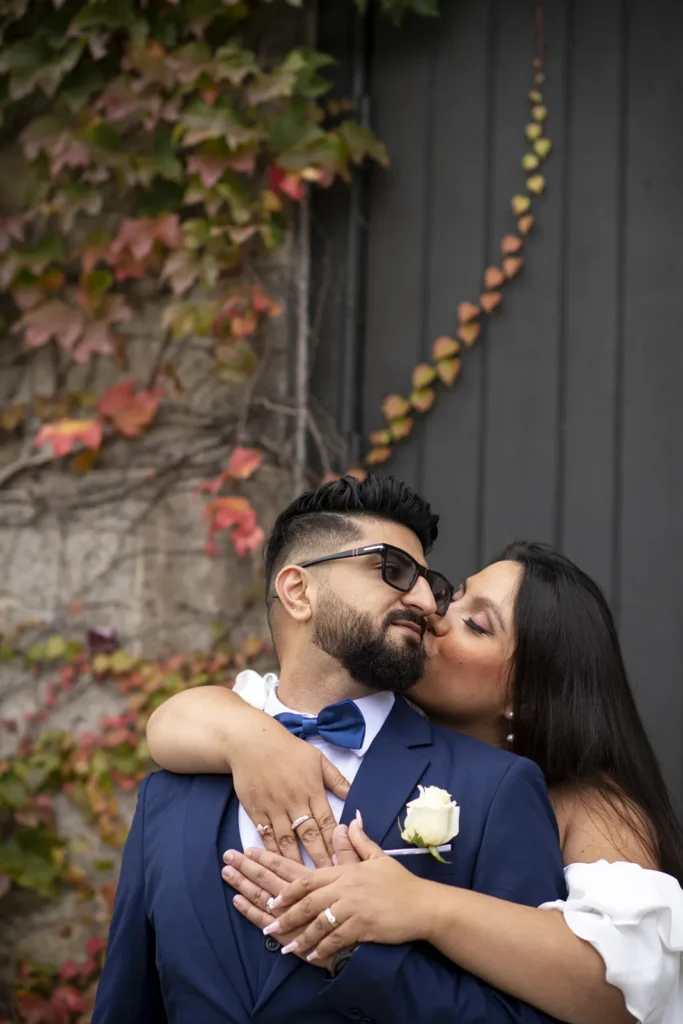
(306, 884)
(343, 937)
(320, 928)
(364, 846)
(334, 780)
(238, 868)
(258, 917)
(298, 917)
(287, 870)
(316, 832)
(287, 840)
(343, 847)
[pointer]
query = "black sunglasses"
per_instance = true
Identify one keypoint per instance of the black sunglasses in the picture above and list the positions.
(399, 570)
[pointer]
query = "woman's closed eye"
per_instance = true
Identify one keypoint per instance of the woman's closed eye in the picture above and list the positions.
(476, 628)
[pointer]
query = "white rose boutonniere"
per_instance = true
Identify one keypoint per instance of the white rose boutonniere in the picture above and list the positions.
(432, 819)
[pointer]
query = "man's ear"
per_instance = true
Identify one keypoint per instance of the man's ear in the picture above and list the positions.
(295, 588)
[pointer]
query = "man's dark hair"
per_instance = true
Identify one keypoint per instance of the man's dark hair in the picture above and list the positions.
(330, 514)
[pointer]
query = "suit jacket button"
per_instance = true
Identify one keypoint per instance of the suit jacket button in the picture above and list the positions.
(272, 945)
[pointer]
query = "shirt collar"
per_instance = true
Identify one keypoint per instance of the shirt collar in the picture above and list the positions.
(375, 709)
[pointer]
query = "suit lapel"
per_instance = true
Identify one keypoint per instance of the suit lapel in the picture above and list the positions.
(390, 771)
(394, 764)
(206, 806)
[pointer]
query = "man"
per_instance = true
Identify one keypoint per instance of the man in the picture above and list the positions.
(348, 596)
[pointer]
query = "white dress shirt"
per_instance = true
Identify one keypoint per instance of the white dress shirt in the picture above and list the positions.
(261, 692)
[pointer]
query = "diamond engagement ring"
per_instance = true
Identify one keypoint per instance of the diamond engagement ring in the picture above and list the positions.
(300, 821)
(264, 829)
(269, 904)
(330, 917)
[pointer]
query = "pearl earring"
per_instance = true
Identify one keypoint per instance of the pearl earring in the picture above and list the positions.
(510, 738)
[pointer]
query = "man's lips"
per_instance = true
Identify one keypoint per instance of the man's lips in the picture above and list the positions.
(414, 627)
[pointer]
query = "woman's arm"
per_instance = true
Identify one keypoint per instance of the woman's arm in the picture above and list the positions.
(198, 731)
(277, 777)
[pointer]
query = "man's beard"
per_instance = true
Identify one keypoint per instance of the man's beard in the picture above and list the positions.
(366, 651)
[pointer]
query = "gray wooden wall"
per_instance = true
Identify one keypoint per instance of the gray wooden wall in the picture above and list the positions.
(567, 422)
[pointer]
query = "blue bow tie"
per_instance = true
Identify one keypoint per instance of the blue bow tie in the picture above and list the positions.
(341, 724)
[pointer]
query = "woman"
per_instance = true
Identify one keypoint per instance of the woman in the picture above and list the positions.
(527, 657)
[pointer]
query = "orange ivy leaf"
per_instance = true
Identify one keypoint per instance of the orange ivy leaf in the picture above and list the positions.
(469, 333)
(243, 326)
(422, 400)
(401, 427)
(467, 311)
(539, 113)
(510, 244)
(530, 161)
(512, 265)
(539, 78)
(520, 205)
(243, 463)
(542, 147)
(525, 224)
(357, 473)
(444, 347)
(329, 478)
(493, 277)
(490, 300)
(448, 370)
(533, 131)
(64, 434)
(377, 455)
(378, 438)
(394, 406)
(423, 375)
(535, 96)
(129, 413)
(536, 184)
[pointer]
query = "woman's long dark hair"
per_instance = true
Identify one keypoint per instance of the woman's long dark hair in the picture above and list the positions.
(575, 714)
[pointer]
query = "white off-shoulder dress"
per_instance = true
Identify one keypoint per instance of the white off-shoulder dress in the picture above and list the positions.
(632, 916)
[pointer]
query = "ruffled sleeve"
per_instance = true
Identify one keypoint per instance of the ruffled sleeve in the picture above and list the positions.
(634, 919)
(254, 688)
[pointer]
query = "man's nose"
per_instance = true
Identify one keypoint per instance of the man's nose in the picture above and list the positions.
(420, 598)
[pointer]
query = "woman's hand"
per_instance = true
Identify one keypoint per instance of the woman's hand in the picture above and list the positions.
(376, 900)
(259, 876)
(279, 778)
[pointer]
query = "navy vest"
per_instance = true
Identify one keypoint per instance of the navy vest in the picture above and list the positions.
(257, 953)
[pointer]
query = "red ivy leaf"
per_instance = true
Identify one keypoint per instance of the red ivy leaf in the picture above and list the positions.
(291, 184)
(129, 413)
(510, 244)
(493, 277)
(490, 300)
(243, 463)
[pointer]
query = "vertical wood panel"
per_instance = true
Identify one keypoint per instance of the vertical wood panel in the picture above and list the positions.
(522, 344)
(457, 213)
(594, 166)
(651, 534)
(401, 82)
